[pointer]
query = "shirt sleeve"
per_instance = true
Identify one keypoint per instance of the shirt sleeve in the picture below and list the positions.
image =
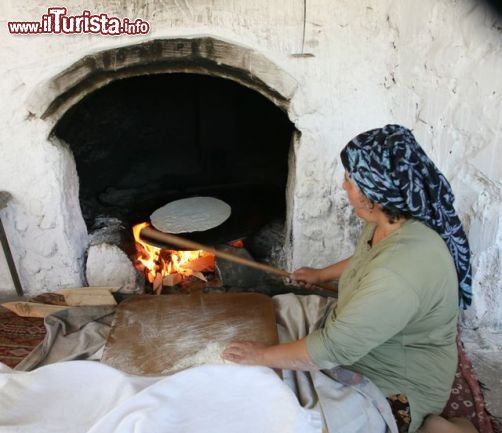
(380, 308)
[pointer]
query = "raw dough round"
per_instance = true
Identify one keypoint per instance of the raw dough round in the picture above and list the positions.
(193, 214)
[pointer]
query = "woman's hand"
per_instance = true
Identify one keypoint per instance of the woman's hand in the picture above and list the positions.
(245, 352)
(293, 355)
(310, 276)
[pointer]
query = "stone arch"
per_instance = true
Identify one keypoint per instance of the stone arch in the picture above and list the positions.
(200, 55)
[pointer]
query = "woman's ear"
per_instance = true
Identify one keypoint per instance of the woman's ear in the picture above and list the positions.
(361, 197)
(366, 202)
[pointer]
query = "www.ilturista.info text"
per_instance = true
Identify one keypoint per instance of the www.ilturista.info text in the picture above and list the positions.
(57, 21)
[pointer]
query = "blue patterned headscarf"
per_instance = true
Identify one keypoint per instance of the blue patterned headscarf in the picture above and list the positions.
(391, 168)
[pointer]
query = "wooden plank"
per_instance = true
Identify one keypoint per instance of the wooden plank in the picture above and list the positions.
(89, 296)
(157, 335)
(32, 309)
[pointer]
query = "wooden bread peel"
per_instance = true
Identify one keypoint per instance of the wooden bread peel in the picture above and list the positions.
(151, 234)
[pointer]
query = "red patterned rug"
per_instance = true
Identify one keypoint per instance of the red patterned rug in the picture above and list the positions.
(18, 336)
(466, 399)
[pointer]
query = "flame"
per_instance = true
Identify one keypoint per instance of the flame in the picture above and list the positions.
(147, 255)
(153, 260)
(237, 244)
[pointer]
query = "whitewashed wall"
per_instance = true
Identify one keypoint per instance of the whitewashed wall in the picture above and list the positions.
(434, 66)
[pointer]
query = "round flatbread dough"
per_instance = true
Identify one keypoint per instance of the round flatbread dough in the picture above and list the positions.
(193, 214)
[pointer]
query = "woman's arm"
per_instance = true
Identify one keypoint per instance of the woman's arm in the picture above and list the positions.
(292, 356)
(316, 276)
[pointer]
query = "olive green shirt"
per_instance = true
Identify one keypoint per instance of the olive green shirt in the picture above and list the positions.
(396, 318)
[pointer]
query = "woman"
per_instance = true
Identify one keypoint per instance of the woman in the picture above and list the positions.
(395, 320)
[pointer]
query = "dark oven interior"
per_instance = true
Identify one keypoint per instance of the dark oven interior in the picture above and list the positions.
(142, 142)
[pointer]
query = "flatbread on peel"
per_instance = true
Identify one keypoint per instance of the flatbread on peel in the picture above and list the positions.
(193, 214)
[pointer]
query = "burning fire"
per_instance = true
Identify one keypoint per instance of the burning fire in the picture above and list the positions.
(169, 267)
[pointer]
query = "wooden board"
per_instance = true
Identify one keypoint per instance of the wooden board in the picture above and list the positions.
(89, 296)
(33, 309)
(157, 335)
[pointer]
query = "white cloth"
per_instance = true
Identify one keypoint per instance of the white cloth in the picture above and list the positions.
(90, 397)
(86, 396)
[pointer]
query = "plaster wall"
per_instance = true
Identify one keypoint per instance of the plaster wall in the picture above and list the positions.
(434, 66)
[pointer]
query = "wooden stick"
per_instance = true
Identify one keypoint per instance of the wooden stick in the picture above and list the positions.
(4, 199)
(149, 233)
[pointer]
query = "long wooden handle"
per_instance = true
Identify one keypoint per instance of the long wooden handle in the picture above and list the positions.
(180, 242)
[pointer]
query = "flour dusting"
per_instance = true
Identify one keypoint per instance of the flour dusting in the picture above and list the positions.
(211, 354)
